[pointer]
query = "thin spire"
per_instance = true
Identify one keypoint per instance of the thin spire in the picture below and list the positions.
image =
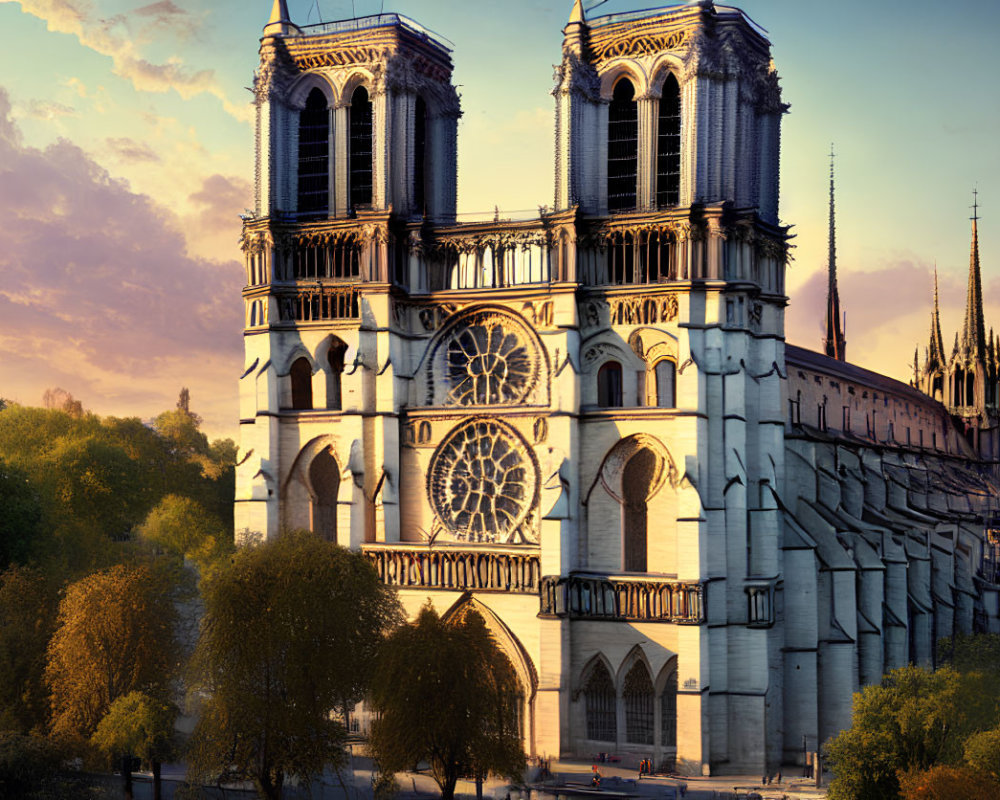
(280, 22)
(835, 344)
(935, 354)
(577, 14)
(974, 335)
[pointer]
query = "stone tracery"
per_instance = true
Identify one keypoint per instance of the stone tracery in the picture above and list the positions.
(483, 483)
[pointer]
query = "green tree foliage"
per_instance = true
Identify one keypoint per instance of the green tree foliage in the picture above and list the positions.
(27, 618)
(21, 517)
(948, 783)
(141, 726)
(971, 652)
(916, 719)
(182, 526)
(97, 479)
(446, 695)
(288, 626)
(115, 633)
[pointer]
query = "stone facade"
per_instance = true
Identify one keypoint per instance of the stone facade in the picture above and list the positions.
(586, 426)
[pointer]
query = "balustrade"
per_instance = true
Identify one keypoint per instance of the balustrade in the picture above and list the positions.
(600, 597)
(319, 304)
(461, 570)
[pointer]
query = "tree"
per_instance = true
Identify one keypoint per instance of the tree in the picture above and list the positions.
(948, 783)
(20, 522)
(446, 695)
(182, 526)
(982, 752)
(27, 613)
(138, 725)
(115, 633)
(62, 400)
(914, 720)
(288, 627)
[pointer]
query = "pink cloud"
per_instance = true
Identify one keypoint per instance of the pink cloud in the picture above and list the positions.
(99, 284)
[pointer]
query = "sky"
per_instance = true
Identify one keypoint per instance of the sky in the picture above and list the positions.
(126, 158)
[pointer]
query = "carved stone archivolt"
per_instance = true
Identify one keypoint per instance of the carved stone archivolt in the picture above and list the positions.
(613, 468)
(483, 483)
(627, 43)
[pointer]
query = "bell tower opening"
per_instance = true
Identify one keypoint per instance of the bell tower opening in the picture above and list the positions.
(314, 156)
(361, 149)
(623, 147)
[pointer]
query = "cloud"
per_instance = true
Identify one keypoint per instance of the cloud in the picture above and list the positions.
(120, 38)
(46, 110)
(131, 150)
(99, 283)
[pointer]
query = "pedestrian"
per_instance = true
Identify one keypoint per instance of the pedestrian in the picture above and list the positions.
(778, 777)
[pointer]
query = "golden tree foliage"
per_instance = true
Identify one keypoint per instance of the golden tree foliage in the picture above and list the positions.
(115, 633)
(948, 783)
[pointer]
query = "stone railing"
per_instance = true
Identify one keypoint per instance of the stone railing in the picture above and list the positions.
(602, 597)
(319, 304)
(461, 569)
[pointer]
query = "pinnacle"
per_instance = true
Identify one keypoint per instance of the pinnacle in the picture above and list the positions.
(577, 14)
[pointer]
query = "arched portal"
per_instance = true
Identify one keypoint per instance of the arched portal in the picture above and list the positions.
(637, 480)
(324, 477)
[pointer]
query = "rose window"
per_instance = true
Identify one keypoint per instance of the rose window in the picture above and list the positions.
(488, 363)
(483, 482)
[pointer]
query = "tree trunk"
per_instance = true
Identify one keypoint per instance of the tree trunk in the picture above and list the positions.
(127, 775)
(156, 781)
(479, 786)
(448, 787)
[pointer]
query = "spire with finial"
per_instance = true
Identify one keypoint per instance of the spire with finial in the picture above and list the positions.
(974, 333)
(279, 23)
(835, 345)
(935, 353)
(577, 14)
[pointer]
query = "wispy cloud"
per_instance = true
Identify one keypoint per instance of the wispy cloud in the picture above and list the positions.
(121, 37)
(131, 150)
(101, 280)
(47, 110)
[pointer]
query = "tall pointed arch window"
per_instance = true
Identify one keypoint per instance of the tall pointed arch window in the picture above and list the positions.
(601, 705)
(609, 385)
(668, 145)
(637, 480)
(665, 373)
(623, 147)
(314, 156)
(419, 156)
(361, 148)
(301, 375)
(335, 362)
(638, 696)
(668, 708)
(324, 476)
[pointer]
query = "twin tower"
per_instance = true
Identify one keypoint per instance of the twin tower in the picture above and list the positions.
(572, 425)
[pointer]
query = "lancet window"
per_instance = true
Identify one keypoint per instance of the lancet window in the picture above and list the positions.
(638, 696)
(324, 476)
(360, 148)
(601, 705)
(301, 377)
(609, 385)
(665, 373)
(668, 145)
(419, 155)
(335, 362)
(637, 480)
(623, 147)
(314, 156)
(668, 709)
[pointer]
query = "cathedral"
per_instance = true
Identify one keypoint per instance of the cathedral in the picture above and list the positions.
(692, 541)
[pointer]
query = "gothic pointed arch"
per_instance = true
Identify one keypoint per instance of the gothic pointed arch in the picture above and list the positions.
(637, 697)
(504, 637)
(612, 472)
(668, 143)
(623, 145)
(304, 85)
(600, 700)
(666, 689)
(361, 148)
(300, 374)
(313, 193)
(309, 495)
(486, 356)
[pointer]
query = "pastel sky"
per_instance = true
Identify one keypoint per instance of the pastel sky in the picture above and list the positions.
(125, 159)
